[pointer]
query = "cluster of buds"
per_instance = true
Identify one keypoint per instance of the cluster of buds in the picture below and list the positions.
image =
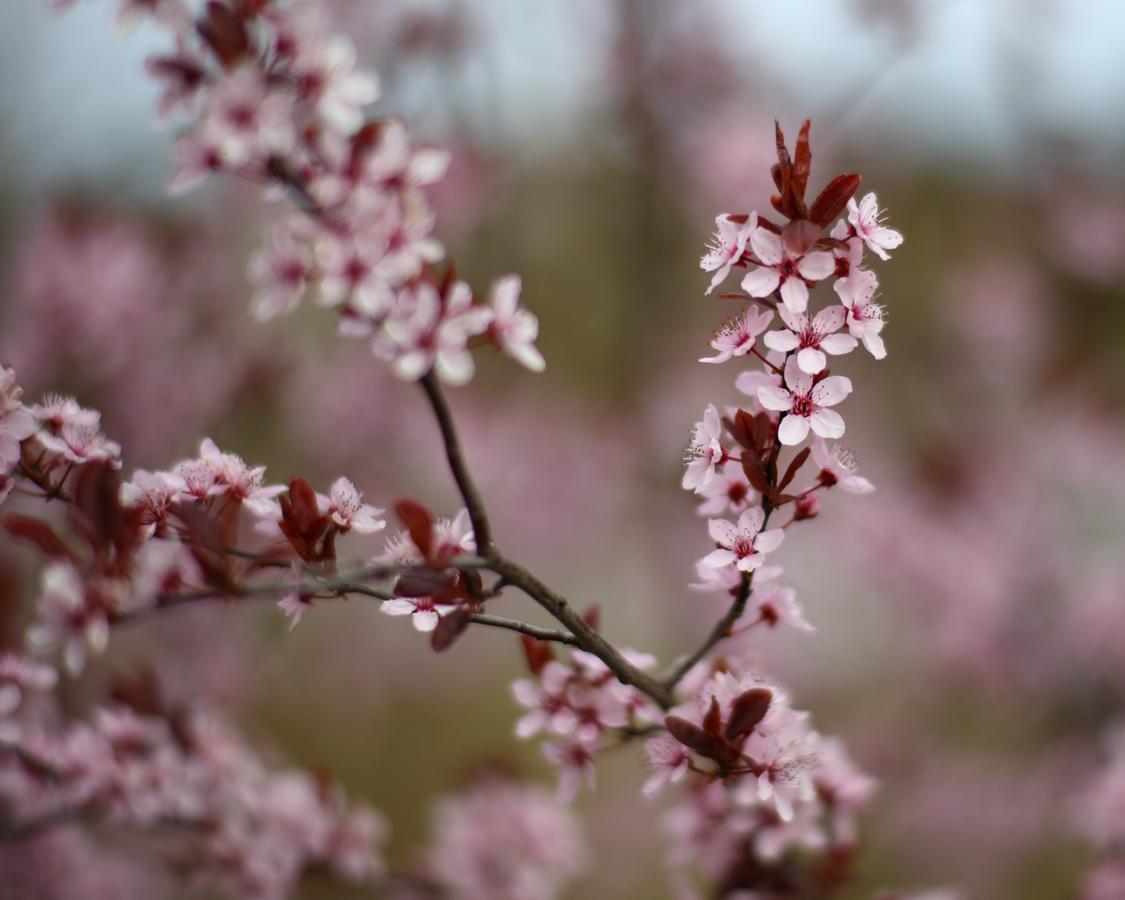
(268, 94)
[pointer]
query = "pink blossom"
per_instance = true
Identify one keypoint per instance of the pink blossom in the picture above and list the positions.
(429, 336)
(727, 246)
(294, 606)
(346, 507)
(838, 466)
(425, 612)
(706, 451)
(737, 335)
(806, 404)
(512, 328)
(74, 433)
(668, 759)
(326, 74)
(574, 757)
(864, 315)
(69, 617)
(281, 273)
(244, 121)
(547, 701)
(393, 163)
(18, 678)
(728, 491)
(743, 545)
(16, 423)
(154, 493)
(864, 218)
(812, 338)
(786, 747)
(501, 840)
(781, 268)
(239, 482)
(777, 605)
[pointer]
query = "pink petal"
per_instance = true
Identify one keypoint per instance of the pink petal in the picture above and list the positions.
(766, 246)
(793, 430)
(817, 265)
(811, 360)
(782, 341)
(775, 398)
(795, 294)
(761, 282)
(827, 423)
(831, 391)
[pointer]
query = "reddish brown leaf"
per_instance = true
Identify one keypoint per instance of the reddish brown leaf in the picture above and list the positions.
(303, 507)
(419, 522)
(798, 236)
(593, 616)
(450, 628)
(749, 708)
(537, 653)
(225, 32)
(39, 533)
(713, 721)
(802, 163)
(831, 201)
(793, 468)
(755, 473)
(693, 737)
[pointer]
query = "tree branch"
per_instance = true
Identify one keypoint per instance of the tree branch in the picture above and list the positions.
(482, 531)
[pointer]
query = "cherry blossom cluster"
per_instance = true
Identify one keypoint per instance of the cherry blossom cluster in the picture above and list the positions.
(577, 705)
(763, 782)
(239, 825)
(269, 94)
(1100, 816)
(504, 840)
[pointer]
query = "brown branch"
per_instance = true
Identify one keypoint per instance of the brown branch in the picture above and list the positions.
(482, 531)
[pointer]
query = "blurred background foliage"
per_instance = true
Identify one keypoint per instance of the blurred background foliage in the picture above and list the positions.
(971, 636)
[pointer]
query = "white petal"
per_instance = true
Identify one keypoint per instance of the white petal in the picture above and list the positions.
(397, 607)
(723, 532)
(830, 319)
(838, 344)
(795, 294)
(768, 541)
(782, 341)
(775, 398)
(827, 423)
(793, 430)
(761, 282)
(817, 265)
(426, 621)
(716, 559)
(831, 391)
(811, 360)
(766, 246)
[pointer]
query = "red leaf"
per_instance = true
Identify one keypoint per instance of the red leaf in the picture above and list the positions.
(749, 708)
(449, 628)
(593, 616)
(802, 163)
(537, 653)
(225, 32)
(755, 474)
(831, 201)
(97, 500)
(693, 737)
(798, 236)
(419, 522)
(304, 510)
(39, 533)
(713, 721)
(794, 467)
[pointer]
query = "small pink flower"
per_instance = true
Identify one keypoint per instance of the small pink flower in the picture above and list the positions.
(838, 466)
(281, 273)
(514, 329)
(294, 606)
(805, 404)
(706, 452)
(17, 424)
(737, 336)
(743, 545)
(346, 507)
(669, 761)
(729, 491)
(812, 338)
(239, 482)
(154, 494)
(864, 218)
(726, 247)
(80, 440)
(425, 613)
(574, 757)
(433, 336)
(777, 605)
(326, 75)
(864, 315)
(546, 701)
(67, 618)
(782, 269)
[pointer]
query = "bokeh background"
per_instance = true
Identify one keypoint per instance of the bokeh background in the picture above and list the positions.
(971, 614)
